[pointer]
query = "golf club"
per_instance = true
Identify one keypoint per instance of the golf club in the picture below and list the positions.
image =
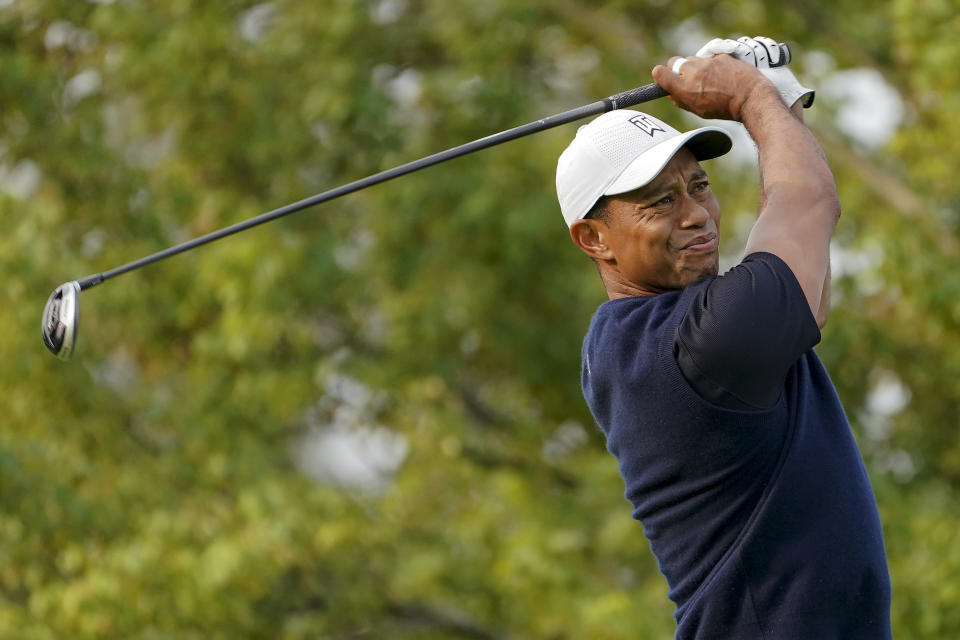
(60, 315)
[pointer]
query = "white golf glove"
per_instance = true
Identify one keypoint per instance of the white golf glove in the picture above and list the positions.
(765, 54)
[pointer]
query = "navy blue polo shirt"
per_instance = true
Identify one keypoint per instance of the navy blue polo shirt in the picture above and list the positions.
(738, 459)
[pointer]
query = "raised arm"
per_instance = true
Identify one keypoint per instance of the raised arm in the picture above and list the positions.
(799, 203)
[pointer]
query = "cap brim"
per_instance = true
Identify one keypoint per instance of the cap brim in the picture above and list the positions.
(705, 143)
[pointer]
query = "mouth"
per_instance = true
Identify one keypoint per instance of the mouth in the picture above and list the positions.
(702, 244)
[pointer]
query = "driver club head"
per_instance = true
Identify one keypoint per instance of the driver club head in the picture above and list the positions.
(59, 322)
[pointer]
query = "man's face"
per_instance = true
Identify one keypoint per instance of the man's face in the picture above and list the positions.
(665, 235)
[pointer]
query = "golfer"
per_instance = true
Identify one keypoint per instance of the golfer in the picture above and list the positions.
(733, 446)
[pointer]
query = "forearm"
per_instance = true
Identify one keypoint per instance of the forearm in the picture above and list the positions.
(797, 111)
(799, 203)
(824, 310)
(789, 154)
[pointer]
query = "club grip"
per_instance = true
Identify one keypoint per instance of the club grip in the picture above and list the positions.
(786, 57)
(646, 93)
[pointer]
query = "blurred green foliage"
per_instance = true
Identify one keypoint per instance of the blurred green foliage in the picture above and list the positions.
(160, 485)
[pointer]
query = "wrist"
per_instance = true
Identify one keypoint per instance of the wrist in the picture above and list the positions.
(789, 87)
(761, 99)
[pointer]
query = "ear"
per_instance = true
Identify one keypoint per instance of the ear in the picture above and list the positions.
(592, 236)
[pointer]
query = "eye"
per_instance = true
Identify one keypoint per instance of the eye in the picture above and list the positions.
(701, 186)
(665, 200)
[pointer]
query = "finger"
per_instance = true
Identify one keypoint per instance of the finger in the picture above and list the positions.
(675, 63)
(666, 78)
(671, 82)
(719, 46)
(658, 73)
(773, 49)
(716, 47)
(706, 51)
(749, 50)
(745, 53)
(760, 51)
(735, 48)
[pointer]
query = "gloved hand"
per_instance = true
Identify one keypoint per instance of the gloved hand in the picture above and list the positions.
(766, 55)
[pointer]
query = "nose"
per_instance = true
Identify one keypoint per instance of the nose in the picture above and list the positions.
(693, 214)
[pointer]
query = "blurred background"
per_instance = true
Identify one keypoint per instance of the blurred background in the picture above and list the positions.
(365, 421)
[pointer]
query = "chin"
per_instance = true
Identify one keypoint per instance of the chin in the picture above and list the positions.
(700, 275)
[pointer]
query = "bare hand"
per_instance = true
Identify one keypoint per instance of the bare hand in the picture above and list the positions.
(717, 87)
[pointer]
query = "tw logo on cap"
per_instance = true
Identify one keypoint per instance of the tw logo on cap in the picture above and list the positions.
(646, 124)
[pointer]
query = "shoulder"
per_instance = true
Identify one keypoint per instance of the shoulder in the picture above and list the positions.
(759, 275)
(628, 337)
(759, 295)
(634, 318)
(744, 330)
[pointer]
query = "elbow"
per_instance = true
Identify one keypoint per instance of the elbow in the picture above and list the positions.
(826, 201)
(811, 196)
(828, 198)
(833, 206)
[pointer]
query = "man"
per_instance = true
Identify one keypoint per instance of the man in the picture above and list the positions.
(734, 449)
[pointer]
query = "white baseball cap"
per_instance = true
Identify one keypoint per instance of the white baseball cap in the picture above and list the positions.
(623, 150)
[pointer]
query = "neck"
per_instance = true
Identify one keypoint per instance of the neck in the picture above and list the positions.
(619, 287)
